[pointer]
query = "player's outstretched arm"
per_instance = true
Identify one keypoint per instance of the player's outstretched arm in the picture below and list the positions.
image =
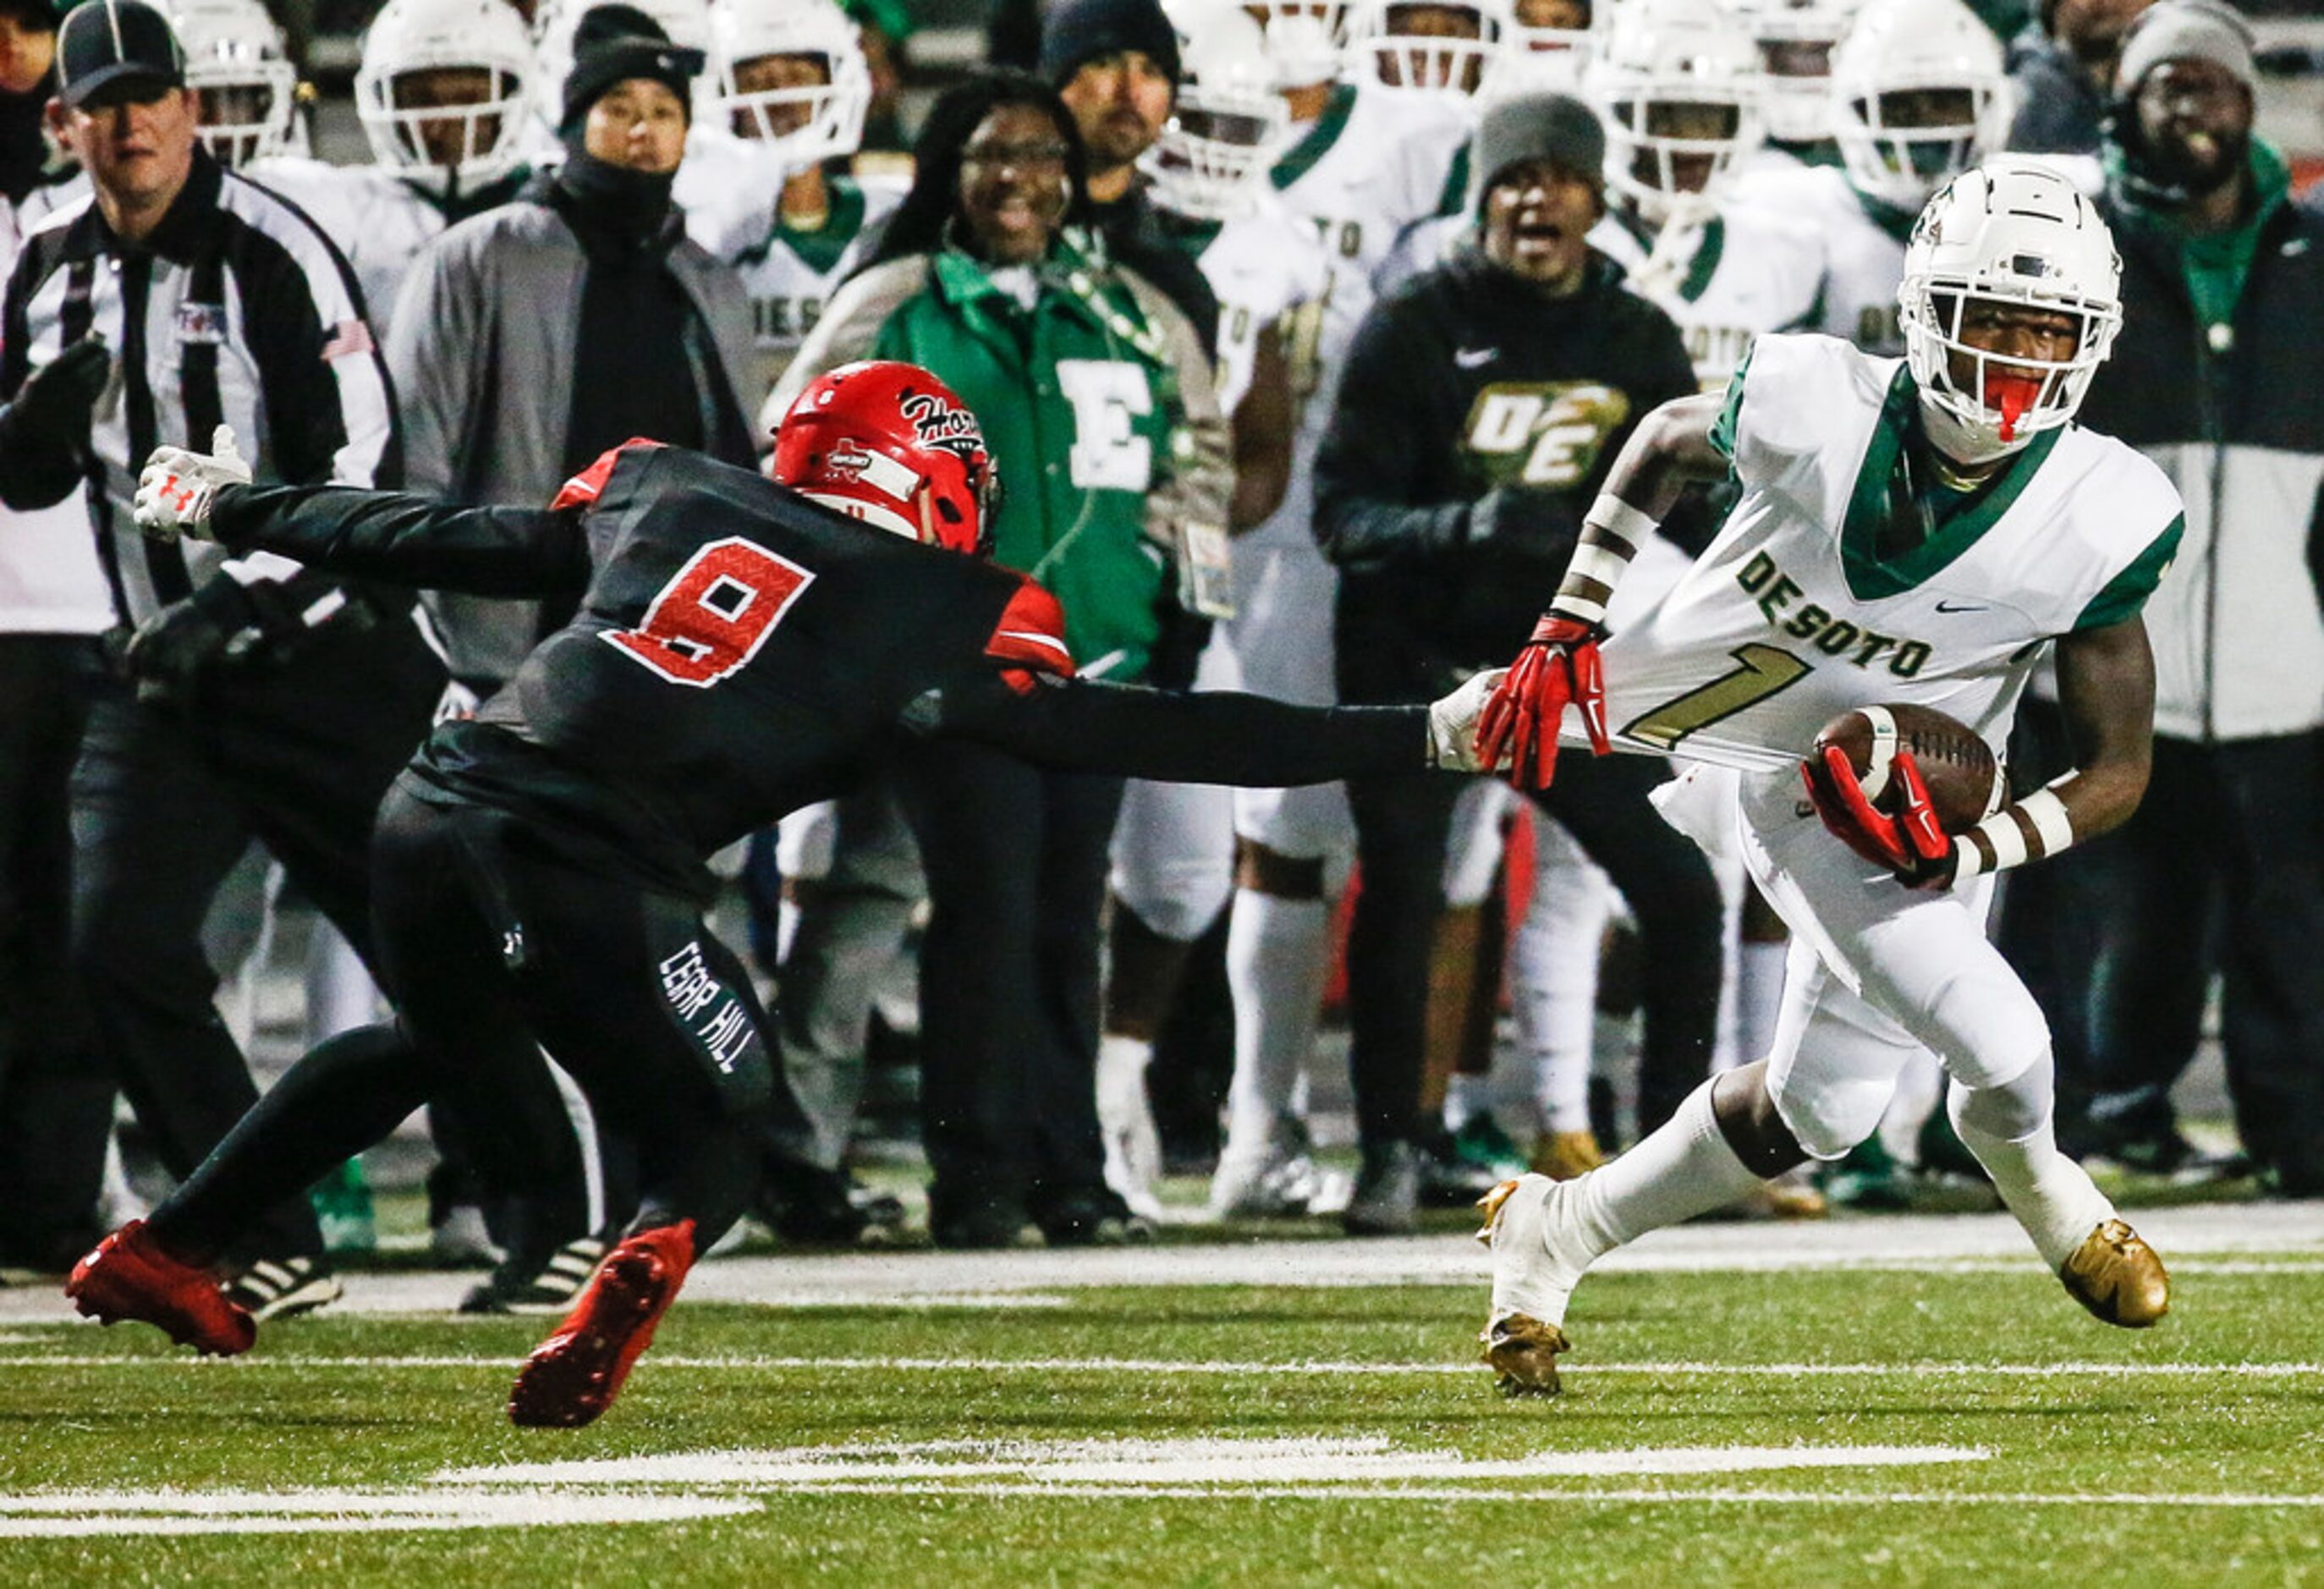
(1670, 449)
(1086, 725)
(2106, 687)
(389, 536)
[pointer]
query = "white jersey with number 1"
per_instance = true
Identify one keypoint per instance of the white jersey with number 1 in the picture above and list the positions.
(1793, 613)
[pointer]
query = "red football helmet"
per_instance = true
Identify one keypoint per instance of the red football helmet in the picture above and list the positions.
(888, 443)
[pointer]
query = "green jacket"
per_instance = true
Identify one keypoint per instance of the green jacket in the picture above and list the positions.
(1096, 403)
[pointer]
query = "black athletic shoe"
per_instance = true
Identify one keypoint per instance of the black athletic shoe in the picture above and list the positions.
(979, 1223)
(1386, 1199)
(1091, 1218)
(810, 1205)
(529, 1283)
(284, 1287)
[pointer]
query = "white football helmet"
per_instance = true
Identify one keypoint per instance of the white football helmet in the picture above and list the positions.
(687, 21)
(1796, 38)
(1543, 60)
(1900, 49)
(2011, 231)
(1667, 57)
(1303, 38)
(1228, 123)
(236, 59)
(745, 31)
(1424, 63)
(413, 36)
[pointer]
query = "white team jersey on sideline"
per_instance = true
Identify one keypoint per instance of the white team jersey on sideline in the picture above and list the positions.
(1262, 266)
(1864, 249)
(1725, 279)
(379, 221)
(1370, 165)
(1789, 617)
(789, 277)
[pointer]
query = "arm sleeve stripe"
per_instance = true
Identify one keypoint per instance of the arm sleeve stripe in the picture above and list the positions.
(327, 391)
(1723, 430)
(2127, 591)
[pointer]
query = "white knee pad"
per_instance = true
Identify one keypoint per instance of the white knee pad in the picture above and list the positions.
(1174, 856)
(1474, 852)
(1306, 824)
(1830, 1120)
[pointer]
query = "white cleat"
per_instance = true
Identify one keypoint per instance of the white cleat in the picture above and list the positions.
(1538, 1261)
(1277, 1180)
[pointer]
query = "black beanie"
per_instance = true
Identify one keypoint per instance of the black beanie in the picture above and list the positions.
(1078, 31)
(613, 44)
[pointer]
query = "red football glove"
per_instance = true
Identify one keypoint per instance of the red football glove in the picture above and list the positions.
(1911, 843)
(1558, 667)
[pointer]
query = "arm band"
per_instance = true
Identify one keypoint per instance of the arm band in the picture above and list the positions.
(2035, 827)
(1611, 533)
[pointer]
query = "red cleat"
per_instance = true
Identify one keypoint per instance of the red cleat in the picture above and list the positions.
(573, 1376)
(128, 1276)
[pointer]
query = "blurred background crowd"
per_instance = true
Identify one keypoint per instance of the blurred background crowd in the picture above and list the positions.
(1180, 259)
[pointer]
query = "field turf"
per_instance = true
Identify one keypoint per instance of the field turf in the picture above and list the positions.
(1909, 1405)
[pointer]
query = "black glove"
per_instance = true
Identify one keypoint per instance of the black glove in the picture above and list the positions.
(52, 407)
(179, 647)
(1524, 518)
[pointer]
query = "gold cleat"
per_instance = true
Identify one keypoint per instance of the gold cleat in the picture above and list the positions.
(2116, 1276)
(1561, 1155)
(1523, 1354)
(1491, 1204)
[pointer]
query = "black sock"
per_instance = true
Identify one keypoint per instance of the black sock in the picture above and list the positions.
(346, 1096)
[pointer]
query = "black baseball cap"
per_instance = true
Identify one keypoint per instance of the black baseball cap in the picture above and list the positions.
(104, 41)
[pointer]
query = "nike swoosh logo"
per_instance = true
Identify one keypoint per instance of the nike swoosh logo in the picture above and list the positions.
(1943, 607)
(1472, 358)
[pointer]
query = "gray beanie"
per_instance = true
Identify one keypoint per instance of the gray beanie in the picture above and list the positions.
(2188, 29)
(1555, 127)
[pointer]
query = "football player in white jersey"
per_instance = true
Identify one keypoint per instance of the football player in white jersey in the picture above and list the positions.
(1362, 164)
(442, 91)
(1918, 93)
(1796, 39)
(1425, 46)
(1919, 531)
(239, 67)
(1173, 844)
(789, 79)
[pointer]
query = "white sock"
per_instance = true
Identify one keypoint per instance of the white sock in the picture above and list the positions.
(2048, 1193)
(1125, 1118)
(1758, 995)
(1684, 1167)
(1279, 958)
(1555, 974)
(1465, 1098)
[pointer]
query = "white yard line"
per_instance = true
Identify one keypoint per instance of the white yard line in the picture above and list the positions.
(1209, 1368)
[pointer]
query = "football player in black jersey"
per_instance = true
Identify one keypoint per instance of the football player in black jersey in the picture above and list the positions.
(744, 645)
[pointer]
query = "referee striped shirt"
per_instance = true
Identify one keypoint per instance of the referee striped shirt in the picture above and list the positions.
(235, 310)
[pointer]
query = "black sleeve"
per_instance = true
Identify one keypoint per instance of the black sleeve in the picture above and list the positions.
(412, 540)
(30, 476)
(1382, 494)
(1217, 736)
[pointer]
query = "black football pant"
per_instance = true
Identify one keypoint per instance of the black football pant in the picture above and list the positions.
(167, 796)
(56, 1091)
(2221, 868)
(490, 950)
(1015, 857)
(1404, 823)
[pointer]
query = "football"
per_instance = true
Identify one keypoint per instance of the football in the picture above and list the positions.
(1964, 779)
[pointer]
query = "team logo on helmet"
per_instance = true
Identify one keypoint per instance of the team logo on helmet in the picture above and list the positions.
(937, 423)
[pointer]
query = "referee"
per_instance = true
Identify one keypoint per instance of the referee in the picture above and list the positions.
(255, 698)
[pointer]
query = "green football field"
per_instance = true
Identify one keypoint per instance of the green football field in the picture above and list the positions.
(1906, 1401)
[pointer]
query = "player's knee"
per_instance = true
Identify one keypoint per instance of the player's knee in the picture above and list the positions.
(2011, 1110)
(1265, 870)
(1178, 902)
(1839, 1116)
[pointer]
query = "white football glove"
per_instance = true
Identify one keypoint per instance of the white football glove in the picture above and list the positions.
(1452, 723)
(177, 486)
